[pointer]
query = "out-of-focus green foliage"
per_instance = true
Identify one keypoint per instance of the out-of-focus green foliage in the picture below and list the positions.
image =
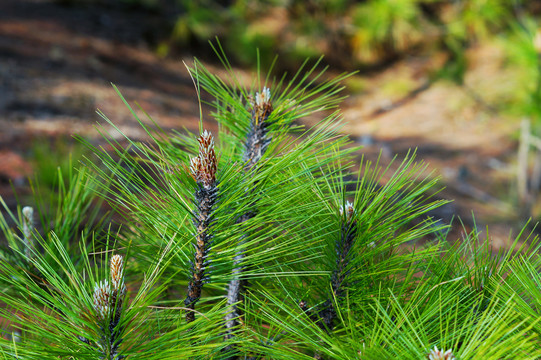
(144, 4)
(239, 24)
(350, 33)
(51, 158)
(476, 19)
(522, 48)
(385, 26)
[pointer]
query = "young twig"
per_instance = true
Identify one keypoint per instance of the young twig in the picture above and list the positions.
(256, 144)
(203, 169)
(343, 246)
(108, 303)
(257, 140)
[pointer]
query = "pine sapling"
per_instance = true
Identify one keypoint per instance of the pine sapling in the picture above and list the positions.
(203, 169)
(414, 296)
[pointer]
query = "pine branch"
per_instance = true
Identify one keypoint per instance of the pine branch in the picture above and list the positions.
(203, 169)
(257, 140)
(343, 247)
(256, 144)
(108, 301)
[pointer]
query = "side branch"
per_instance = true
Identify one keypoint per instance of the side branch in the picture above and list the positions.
(257, 141)
(203, 169)
(108, 303)
(343, 246)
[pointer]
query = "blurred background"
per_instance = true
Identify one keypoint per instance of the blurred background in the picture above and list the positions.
(459, 80)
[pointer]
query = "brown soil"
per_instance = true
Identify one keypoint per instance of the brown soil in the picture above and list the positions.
(57, 63)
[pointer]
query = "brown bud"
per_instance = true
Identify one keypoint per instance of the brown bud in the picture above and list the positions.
(203, 167)
(262, 107)
(117, 275)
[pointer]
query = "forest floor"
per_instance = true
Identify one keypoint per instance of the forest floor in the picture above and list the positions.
(57, 65)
